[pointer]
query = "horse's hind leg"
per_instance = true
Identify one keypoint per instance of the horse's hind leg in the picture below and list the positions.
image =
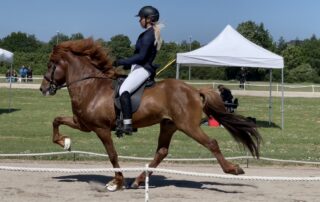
(197, 134)
(58, 138)
(167, 129)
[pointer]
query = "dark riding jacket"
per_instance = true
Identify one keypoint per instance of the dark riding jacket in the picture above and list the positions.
(144, 54)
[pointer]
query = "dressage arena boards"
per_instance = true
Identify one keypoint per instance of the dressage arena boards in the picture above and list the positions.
(58, 186)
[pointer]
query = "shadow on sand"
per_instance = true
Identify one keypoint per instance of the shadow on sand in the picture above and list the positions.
(157, 181)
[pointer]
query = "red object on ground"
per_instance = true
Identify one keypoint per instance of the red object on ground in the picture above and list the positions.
(213, 123)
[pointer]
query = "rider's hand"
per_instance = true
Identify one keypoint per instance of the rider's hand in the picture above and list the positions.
(115, 63)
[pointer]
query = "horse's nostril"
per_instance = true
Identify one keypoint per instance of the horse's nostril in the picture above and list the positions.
(40, 89)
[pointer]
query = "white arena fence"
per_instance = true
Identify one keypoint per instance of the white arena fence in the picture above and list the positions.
(149, 159)
(156, 170)
(147, 169)
(276, 87)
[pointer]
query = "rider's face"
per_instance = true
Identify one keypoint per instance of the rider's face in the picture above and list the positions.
(144, 22)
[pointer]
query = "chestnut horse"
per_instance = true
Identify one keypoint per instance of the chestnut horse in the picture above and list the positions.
(84, 67)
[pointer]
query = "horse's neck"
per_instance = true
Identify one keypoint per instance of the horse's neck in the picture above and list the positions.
(82, 82)
(77, 70)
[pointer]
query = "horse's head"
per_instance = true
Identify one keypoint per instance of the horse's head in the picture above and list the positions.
(86, 58)
(54, 78)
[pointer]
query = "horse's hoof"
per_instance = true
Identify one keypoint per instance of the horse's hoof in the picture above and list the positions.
(112, 186)
(134, 185)
(239, 170)
(67, 144)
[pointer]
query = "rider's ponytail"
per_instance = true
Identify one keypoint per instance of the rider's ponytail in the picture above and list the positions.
(157, 27)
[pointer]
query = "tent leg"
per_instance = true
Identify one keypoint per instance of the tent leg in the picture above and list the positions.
(177, 71)
(282, 100)
(270, 98)
(10, 88)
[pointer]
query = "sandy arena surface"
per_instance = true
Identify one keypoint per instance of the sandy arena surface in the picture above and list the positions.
(51, 187)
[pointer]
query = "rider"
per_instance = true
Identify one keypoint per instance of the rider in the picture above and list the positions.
(147, 45)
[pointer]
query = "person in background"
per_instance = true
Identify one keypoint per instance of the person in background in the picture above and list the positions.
(8, 74)
(225, 94)
(29, 74)
(242, 77)
(23, 73)
(11, 75)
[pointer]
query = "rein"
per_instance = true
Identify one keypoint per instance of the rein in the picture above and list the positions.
(83, 79)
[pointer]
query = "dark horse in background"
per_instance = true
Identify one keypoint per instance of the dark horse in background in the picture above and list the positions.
(85, 69)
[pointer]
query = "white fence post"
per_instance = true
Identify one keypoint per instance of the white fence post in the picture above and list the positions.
(147, 184)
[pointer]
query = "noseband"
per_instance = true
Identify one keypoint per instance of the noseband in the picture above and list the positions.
(53, 86)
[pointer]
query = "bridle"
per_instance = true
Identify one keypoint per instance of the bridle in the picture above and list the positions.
(54, 86)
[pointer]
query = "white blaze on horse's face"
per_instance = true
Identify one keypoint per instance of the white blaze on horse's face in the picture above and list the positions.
(44, 87)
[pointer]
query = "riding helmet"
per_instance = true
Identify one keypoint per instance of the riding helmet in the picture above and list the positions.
(149, 12)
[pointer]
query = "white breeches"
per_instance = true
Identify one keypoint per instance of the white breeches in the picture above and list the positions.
(136, 77)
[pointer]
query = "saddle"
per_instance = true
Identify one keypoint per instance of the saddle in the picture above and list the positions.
(135, 96)
(135, 99)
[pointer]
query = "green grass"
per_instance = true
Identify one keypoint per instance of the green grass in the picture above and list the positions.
(28, 129)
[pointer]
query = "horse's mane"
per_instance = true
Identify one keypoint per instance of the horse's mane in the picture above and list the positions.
(98, 56)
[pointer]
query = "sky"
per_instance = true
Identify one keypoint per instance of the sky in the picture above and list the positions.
(200, 20)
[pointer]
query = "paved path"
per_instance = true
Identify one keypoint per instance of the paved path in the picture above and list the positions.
(234, 92)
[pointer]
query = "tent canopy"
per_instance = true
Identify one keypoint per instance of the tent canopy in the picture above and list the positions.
(6, 56)
(230, 48)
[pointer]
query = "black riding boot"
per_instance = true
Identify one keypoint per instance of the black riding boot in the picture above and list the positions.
(127, 112)
(119, 123)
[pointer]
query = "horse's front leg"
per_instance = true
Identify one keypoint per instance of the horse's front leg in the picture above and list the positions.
(58, 138)
(105, 136)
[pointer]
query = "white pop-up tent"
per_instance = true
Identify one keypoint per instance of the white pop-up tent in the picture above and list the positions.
(230, 48)
(6, 56)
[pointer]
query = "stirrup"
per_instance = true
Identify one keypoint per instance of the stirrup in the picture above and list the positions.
(119, 133)
(119, 128)
(127, 129)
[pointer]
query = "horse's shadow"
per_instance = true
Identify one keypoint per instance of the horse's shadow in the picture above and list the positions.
(266, 124)
(7, 111)
(158, 181)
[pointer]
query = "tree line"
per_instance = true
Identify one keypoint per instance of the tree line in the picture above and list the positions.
(301, 57)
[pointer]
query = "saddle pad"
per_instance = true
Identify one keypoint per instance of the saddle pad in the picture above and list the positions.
(135, 96)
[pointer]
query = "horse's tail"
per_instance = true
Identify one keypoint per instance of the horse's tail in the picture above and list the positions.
(239, 127)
